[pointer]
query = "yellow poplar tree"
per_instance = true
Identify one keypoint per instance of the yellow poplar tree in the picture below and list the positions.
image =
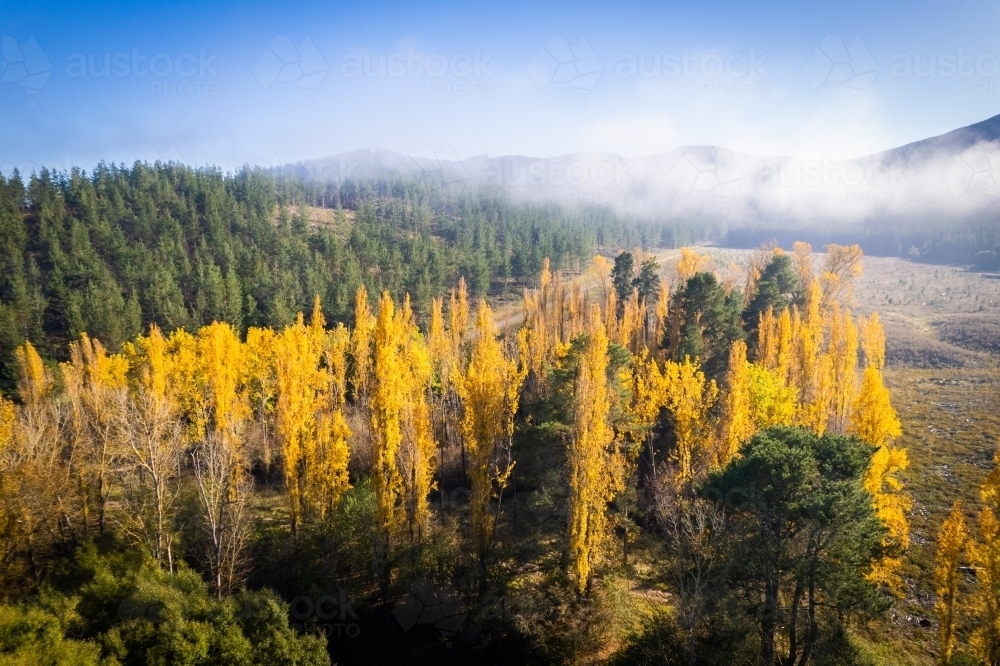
(489, 391)
(803, 261)
(808, 337)
(34, 381)
(647, 398)
(874, 420)
(386, 404)
(950, 544)
(262, 385)
(361, 345)
(662, 310)
(766, 353)
(92, 377)
(8, 417)
(223, 361)
(845, 361)
(688, 397)
(301, 386)
(459, 312)
(840, 268)
(690, 263)
(592, 479)
(327, 460)
(737, 423)
(771, 402)
(187, 383)
(148, 426)
(417, 453)
(984, 556)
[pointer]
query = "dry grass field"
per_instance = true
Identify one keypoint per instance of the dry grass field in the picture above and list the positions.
(943, 349)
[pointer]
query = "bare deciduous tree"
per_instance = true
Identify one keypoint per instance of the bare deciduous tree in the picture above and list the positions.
(695, 529)
(224, 486)
(151, 439)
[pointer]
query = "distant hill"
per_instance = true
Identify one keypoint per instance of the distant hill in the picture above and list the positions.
(955, 176)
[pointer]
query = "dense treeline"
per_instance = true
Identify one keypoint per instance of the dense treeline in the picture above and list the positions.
(683, 470)
(112, 251)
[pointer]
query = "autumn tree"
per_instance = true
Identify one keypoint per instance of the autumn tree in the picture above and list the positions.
(152, 444)
(224, 486)
(39, 500)
(984, 557)
(301, 389)
(592, 458)
(950, 546)
(875, 421)
(803, 261)
(841, 267)
(417, 453)
(489, 390)
(361, 346)
(688, 396)
(404, 455)
(262, 390)
(92, 378)
(690, 263)
(737, 425)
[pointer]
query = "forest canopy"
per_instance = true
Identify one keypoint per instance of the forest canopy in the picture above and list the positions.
(111, 251)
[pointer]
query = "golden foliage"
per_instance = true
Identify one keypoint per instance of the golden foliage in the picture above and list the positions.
(361, 345)
(950, 544)
(592, 458)
(803, 261)
(488, 390)
(873, 418)
(688, 398)
(984, 557)
(34, 381)
(756, 398)
(301, 414)
(7, 421)
(840, 268)
(891, 506)
(738, 425)
(404, 451)
(691, 262)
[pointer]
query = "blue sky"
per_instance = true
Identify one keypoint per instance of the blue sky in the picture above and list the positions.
(267, 83)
